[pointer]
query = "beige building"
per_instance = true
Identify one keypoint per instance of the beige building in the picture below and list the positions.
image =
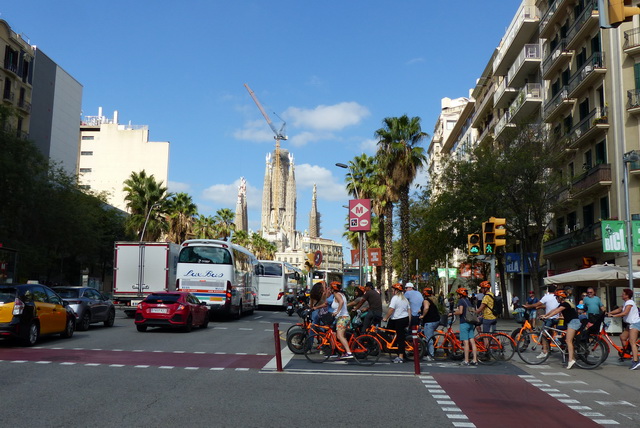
(110, 152)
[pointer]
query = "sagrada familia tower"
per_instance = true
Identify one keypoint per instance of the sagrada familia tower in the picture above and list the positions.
(241, 220)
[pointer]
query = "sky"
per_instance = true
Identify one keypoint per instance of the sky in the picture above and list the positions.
(332, 70)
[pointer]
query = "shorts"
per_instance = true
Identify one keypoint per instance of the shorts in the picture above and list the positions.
(489, 326)
(574, 324)
(635, 326)
(342, 323)
(467, 331)
(551, 322)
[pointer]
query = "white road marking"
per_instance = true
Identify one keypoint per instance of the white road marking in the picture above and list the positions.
(591, 391)
(615, 403)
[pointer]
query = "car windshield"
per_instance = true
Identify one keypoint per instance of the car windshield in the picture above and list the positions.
(7, 295)
(68, 293)
(166, 299)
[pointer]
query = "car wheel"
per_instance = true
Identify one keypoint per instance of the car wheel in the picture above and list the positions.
(83, 325)
(189, 326)
(33, 333)
(141, 328)
(69, 328)
(110, 318)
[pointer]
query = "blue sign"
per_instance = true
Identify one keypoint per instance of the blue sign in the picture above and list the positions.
(514, 262)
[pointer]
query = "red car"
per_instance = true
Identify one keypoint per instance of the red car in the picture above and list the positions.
(171, 309)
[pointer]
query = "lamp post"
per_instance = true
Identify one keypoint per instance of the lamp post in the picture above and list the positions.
(360, 233)
(140, 285)
(632, 156)
(156, 205)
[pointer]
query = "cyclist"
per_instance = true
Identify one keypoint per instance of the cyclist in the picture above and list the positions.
(374, 300)
(467, 331)
(489, 320)
(630, 313)
(415, 303)
(430, 315)
(399, 313)
(549, 303)
(594, 304)
(340, 312)
(571, 321)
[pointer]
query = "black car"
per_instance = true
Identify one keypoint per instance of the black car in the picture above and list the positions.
(89, 305)
(28, 311)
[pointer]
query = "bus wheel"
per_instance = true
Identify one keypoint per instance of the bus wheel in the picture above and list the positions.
(238, 313)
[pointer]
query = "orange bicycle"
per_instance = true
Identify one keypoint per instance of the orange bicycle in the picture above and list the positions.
(386, 339)
(623, 352)
(324, 343)
(448, 345)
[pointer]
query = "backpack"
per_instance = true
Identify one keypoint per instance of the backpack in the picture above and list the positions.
(496, 310)
(471, 316)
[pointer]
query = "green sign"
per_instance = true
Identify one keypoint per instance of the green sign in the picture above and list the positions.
(489, 249)
(442, 273)
(635, 235)
(613, 236)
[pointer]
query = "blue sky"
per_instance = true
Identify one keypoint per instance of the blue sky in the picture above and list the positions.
(333, 70)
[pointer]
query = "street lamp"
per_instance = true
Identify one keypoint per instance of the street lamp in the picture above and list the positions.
(140, 286)
(342, 165)
(361, 237)
(156, 205)
(632, 156)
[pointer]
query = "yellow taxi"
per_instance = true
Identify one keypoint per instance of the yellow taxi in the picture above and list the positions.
(28, 311)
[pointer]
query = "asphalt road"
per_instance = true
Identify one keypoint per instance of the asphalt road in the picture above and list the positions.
(225, 376)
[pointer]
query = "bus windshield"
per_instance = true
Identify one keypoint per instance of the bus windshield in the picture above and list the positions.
(271, 269)
(205, 254)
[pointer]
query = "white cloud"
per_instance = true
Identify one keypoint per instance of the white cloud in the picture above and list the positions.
(176, 187)
(329, 188)
(255, 130)
(328, 118)
(369, 147)
(226, 195)
(415, 61)
(306, 137)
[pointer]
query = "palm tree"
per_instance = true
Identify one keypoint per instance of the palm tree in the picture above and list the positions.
(263, 249)
(400, 157)
(224, 221)
(145, 198)
(204, 227)
(241, 237)
(181, 212)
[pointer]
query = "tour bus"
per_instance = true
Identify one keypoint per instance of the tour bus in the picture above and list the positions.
(219, 273)
(275, 279)
(328, 276)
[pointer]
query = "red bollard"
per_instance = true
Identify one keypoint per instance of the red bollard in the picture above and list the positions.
(416, 353)
(276, 338)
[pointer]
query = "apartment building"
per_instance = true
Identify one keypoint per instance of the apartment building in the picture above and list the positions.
(110, 152)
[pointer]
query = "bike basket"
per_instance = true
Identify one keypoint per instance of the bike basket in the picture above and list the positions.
(518, 315)
(444, 319)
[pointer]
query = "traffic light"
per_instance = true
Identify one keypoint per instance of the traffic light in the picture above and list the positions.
(474, 248)
(499, 231)
(488, 238)
(310, 263)
(615, 12)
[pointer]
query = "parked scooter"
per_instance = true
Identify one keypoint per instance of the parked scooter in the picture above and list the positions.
(291, 302)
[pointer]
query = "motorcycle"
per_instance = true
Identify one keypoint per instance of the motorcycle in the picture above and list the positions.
(290, 302)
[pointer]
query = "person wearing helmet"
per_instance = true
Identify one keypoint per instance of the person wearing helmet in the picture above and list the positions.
(429, 316)
(548, 302)
(415, 303)
(372, 298)
(571, 321)
(467, 330)
(341, 314)
(489, 320)
(398, 317)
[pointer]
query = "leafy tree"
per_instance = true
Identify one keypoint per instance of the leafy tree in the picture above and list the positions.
(181, 212)
(224, 222)
(204, 227)
(146, 198)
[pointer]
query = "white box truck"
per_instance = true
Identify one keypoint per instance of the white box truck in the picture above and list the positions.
(140, 268)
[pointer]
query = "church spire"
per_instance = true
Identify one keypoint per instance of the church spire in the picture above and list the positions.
(314, 216)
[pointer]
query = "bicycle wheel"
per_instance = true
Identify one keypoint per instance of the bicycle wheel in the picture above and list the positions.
(486, 344)
(520, 338)
(529, 349)
(318, 348)
(437, 347)
(507, 347)
(409, 351)
(295, 340)
(590, 352)
(365, 349)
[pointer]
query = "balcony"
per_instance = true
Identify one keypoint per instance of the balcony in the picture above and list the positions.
(526, 63)
(503, 123)
(24, 106)
(556, 59)
(592, 70)
(522, 28)
(551, 18)
(591, 234)
(592, 180)
(633, 101)
(485, 106)
(488, 132)
(631, 44)
(8, 96)
(634, 168)
(528, 100)
(557, 105)
(504, 94)
(583, 25)
(595, 124)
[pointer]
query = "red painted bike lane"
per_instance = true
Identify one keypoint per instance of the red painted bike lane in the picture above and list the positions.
(130, 358)
(507, 400)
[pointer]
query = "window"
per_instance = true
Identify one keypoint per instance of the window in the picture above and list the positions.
(572, 171)
(572, 220)
(601, 152)
(604, 208)
(560, 226)
(85, 169)
(86, 153)
(451, 124)
(588, 160)
(587, 214)
(584, 108)
(87, 137)
(581, 58)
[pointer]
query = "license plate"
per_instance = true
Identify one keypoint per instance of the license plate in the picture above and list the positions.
(158, 311)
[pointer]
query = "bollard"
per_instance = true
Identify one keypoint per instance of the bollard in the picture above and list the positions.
(416, 350)
(276, 338)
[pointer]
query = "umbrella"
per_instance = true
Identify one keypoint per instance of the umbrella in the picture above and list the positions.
(594, 273)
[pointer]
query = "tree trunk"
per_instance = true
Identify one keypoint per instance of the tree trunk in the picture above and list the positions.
(380, 272)
(404, 234)
(388, 245)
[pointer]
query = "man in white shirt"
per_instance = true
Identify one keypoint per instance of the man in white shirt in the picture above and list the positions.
(415, 302)
(549, 303)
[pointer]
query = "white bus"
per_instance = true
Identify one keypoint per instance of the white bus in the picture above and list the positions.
(219, 273)
(275, 279)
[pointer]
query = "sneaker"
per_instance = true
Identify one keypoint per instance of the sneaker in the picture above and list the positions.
(428, 358)
(473, 363)
(398, 360)
(635, 365)
(542, 355)
(570, 364)
(464, 363)
(347, 356)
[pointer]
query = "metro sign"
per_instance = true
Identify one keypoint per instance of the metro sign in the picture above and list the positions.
(360, 215)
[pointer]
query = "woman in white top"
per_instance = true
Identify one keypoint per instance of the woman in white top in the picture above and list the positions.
(630, 313)
(341, 313)
(399, 314)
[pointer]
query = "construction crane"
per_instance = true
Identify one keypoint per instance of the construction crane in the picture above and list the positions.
(279, 134)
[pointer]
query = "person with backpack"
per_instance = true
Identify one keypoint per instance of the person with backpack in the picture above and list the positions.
(467, 330)
(430, 315)
(398, 316)
(488, 310)
(571, 321)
